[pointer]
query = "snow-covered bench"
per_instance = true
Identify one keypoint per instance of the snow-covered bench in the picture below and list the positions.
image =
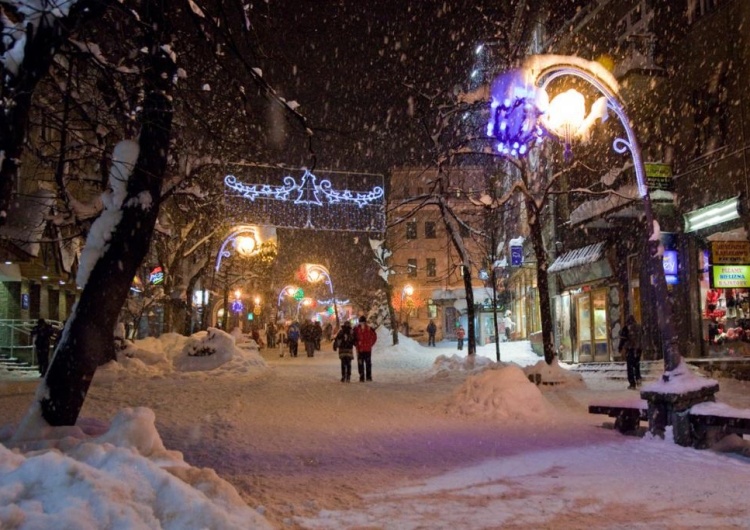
(709, 421)
(627, 413)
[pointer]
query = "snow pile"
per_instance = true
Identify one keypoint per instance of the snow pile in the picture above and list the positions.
(504, 393)
(212, 351)
(682, 379)
(554, 374)
(445, 364)
(124, 478)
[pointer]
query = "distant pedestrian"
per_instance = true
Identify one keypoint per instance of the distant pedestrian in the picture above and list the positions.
(364, 339)
(344, 343)
(292, 338)
(41, 334)
(509, 325)
(630, 346)
(431, 331)
(271, 335)
(308, 334)
(318, 334)
(460, 334)
(328, 331)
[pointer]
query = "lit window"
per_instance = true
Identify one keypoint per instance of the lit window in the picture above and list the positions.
(411, 267)
(411, 230)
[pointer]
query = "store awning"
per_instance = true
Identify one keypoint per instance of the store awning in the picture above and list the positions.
(578, 257)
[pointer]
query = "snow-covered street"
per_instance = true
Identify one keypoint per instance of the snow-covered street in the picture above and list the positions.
(425, 445)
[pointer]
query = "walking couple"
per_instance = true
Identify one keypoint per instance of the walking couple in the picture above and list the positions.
(363, 338)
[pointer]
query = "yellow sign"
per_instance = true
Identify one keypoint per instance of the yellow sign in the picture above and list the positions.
(658, 170)
(730, 252)
(730, 276)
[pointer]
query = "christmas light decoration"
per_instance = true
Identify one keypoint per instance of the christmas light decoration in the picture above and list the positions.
(338, 200)
(308, 191)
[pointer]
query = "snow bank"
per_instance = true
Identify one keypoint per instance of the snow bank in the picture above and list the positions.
(554, 374)
(121, 479)
(212, 352)
(503, 393)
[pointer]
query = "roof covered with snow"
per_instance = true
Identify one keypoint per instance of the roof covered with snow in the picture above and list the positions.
(578, 257)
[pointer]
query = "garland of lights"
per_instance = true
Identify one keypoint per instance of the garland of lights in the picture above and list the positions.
(308, 191)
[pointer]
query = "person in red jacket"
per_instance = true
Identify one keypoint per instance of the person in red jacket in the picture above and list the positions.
(364, 339)
(460, 334)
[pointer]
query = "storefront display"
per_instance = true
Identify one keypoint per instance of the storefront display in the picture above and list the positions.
(725, 297)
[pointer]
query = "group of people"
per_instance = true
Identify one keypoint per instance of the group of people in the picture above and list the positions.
(460, 332)
(360, 337)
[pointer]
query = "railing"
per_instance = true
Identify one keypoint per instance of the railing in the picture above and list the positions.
(15, 337)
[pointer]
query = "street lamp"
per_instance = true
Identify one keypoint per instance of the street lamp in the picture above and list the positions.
(565, 119)
(315, 273)
(406, 293)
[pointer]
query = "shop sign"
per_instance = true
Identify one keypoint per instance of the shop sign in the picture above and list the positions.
(516, 256)
(156, 276)
(730, 276)
(730, 252)
(670, 262)
(659, 176)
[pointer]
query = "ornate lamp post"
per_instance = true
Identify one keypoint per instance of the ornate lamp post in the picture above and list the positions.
(668, 400)
(406, 294)
(565, 118)
(316, 273)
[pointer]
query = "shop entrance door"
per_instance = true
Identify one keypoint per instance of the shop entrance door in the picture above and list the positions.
(592, 342)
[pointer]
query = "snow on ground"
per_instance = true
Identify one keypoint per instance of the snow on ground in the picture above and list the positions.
(173, 438)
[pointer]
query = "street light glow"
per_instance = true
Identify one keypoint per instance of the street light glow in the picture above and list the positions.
(408, 290)
(245, 245)
(566, 114)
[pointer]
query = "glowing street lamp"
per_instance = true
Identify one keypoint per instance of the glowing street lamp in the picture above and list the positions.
(564, 120)
(315, 273)
(406, 293)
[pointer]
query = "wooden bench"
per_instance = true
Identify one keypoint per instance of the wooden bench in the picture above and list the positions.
(628, 414)
(710, 422)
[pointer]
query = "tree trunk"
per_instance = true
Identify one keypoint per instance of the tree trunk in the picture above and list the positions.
(545, 305)
(470, 327)
(88, 339)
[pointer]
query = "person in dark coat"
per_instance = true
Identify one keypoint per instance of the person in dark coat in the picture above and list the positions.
(344, 343)
(318, 334)
(431, 331)
(309, 334)
(630, 347)
(41, 334)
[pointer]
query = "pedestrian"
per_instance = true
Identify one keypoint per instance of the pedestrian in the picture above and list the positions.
(271, 335)
(308, 334)
(292, 336)
(431, 331)
(318, 334)
(344, 343)
(364, 339)
(41, 334)
(630, 346)
(460, 334)
(328, 331)
(509, 325)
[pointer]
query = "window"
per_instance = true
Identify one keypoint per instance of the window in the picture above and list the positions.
(411, 230)
(431, 309)
(431, 267)
(411, 267)
(429, 230)
(463, 230)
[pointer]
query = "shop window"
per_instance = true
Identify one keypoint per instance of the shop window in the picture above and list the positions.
(431, 267)
(411, 267)
(431, 309)
(411, 230)
(429, 230)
